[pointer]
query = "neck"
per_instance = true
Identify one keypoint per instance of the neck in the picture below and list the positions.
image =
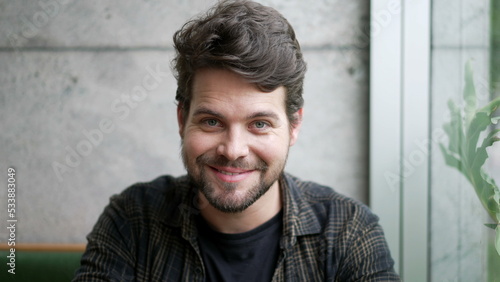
(265, 208)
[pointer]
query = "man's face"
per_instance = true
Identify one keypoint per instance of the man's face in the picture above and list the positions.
(235, 139)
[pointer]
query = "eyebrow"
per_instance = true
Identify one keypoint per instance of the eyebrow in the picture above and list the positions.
(264, 114)
(206, 111)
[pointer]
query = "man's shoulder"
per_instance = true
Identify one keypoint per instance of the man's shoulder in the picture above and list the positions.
(161, 196)
(317, 193)
(161, 185)
(328, 204)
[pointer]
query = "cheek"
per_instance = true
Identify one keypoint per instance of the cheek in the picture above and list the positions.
(196, 144)
(273, 150)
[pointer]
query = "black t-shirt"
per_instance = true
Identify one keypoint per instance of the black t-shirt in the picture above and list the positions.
(248, 256)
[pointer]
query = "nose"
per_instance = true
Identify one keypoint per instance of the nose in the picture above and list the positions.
(234, 144)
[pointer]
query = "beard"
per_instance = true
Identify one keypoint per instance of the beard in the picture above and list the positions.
(227, 197)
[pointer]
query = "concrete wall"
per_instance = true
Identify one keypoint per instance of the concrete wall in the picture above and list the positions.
(69, 128)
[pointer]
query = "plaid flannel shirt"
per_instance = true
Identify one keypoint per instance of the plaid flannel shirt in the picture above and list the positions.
(148, 233)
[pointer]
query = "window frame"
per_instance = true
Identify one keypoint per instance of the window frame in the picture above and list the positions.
(400, 129)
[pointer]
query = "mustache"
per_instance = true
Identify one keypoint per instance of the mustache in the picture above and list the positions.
(222, 161)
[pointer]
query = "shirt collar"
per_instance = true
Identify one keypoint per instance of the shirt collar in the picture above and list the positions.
(299, 217)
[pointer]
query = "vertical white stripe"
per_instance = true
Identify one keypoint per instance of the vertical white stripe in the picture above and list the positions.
(385, 120)
(416, 138)
(399, 129)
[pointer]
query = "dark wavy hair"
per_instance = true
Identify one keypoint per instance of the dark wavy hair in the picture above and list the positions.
(247, 38)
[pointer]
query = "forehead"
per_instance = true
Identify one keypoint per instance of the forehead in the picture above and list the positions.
(223, 89)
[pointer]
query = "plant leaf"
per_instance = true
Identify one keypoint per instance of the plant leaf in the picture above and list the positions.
(491, 225)
(487, 198)
(497, 240)
(453, 161)
(482, 183)
(485, 188)
(469, 94)
(453, 136)
(486, 191)
(463, 152)
(454, 129)
(481, 155)
(496, 198)
(491, 106)
(480, 123)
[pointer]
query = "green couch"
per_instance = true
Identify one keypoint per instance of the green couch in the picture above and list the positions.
(40, 266)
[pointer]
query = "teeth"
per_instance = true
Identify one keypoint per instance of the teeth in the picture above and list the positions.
(227, 173)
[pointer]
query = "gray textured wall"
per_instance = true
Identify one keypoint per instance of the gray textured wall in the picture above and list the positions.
(70, 127)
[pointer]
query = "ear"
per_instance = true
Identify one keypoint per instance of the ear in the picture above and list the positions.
(180, 118)
(295, 128)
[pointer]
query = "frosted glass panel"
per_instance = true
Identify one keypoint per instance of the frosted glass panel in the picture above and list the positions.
(461, 246)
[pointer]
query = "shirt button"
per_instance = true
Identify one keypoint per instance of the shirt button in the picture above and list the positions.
(197, 270)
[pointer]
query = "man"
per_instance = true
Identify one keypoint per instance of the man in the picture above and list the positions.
(236, 216)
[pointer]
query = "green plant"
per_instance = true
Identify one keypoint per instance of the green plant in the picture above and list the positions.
(463, 152)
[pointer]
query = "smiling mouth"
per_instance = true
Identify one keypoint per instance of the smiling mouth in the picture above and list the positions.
(231, 171)
(231, 174)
